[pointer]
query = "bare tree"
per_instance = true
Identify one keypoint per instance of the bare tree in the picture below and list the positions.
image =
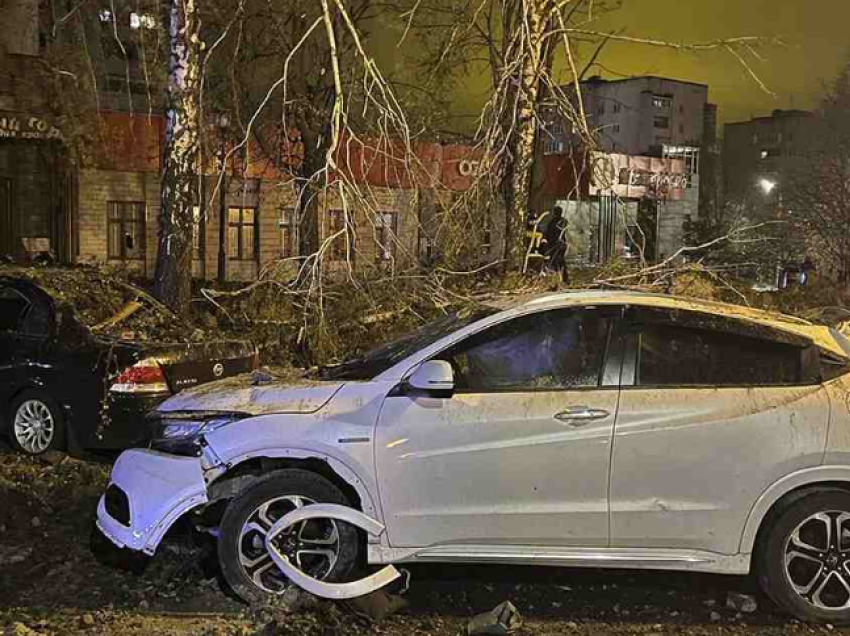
(815, 189)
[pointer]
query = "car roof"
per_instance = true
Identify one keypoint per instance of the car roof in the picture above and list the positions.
(821, 336)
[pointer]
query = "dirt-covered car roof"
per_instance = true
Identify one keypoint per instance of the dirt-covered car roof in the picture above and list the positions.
(98, 295)
(822, 336)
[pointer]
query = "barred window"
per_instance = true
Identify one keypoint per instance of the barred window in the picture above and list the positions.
(126, 230)
(386, 230)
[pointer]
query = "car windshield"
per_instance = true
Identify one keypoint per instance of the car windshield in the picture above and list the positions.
(379, 360)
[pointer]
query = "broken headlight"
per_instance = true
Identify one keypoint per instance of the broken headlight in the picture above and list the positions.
(181, 433)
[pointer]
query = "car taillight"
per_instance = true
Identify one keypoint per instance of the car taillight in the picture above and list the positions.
(145, 376)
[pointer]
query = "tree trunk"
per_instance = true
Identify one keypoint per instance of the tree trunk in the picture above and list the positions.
(524, 132)
(310, 190)
(173, 279)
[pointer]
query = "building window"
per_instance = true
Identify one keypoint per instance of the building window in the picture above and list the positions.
(126, 231)
(287, 232)
(242, 235)
(342, 247)
(615, 128)
(386, 230)
(661, 122)
(554, 146)
(142, 21)
(554, 143)
(617, 108)
(105, 15)
(601, 109)
(661, 102)
(198, 238)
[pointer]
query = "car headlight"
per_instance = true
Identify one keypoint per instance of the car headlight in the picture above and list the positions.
(180, 433)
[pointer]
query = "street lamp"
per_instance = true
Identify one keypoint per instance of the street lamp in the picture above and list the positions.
(222, 124)
(767, 185)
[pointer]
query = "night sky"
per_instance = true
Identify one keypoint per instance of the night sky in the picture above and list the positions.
(817, 33)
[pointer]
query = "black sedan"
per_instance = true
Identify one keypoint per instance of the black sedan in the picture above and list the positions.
(62, 386)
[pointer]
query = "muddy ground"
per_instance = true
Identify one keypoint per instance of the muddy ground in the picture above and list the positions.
(50, 583)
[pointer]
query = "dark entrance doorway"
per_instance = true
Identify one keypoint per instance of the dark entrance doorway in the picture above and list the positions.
(36, 200)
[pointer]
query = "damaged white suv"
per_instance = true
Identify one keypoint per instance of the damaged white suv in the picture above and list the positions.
(602, 429)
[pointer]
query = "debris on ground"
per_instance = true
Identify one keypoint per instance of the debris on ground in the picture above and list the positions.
(375, 606)
(19, 629)
(741, 602)
(501, 620)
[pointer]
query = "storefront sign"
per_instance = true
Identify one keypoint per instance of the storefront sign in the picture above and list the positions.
(638, 177)
(26, 127)
(467, 167)
(656, 180)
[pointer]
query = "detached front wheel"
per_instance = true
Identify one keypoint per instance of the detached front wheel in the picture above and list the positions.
(324, 549)
(805, 559)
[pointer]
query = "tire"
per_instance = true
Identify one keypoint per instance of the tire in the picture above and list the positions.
(814, 585)
(34, 408)
(274, 495)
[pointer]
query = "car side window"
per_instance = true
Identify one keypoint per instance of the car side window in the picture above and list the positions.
(13, 308)
(551, 350)
(677, 356)
(22, 316)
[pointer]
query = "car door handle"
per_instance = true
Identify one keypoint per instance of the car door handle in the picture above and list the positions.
(581, 415)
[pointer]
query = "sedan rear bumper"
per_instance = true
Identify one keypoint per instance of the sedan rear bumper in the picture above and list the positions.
(148, 492)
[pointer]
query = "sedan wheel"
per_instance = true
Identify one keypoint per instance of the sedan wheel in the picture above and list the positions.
(804, 562)
(36, 424)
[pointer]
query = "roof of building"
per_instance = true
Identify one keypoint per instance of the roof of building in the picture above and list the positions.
(777, 115)
(596, 79)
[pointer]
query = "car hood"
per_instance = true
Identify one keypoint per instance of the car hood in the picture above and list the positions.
(256, 394)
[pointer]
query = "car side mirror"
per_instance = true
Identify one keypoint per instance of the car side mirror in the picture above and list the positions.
(434, 377)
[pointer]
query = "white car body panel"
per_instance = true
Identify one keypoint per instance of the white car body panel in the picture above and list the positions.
(688, 464)
(238, 395)
(160, 489)
(341, 434)
(491, 463)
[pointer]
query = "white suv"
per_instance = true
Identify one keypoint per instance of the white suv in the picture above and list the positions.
(602, 429)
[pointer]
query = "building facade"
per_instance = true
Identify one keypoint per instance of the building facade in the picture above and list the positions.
(758, 151)
(643, 181)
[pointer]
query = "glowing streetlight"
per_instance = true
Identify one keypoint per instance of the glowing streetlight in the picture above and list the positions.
(767, 185)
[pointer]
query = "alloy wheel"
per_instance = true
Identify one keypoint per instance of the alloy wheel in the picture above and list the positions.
(817, 560)
(34, 428)
(312, 546)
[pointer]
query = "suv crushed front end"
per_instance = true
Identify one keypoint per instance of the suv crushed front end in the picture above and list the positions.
(148, 491)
